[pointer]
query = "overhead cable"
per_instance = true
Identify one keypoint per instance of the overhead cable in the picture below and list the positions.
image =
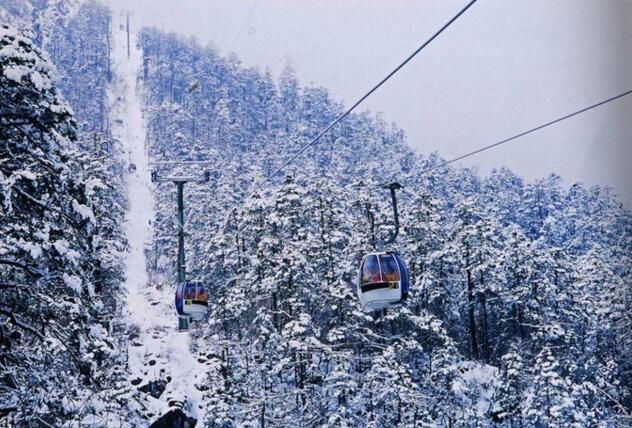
(537, 128)
(246, 21)
(302, 150)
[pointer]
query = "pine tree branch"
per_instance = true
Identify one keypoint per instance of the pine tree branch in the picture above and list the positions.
(45, 162)
(5, 285)
(43, 422)
(46, 206)
(5, 310)
(36, 273)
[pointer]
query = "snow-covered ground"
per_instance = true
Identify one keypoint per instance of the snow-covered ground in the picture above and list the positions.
(159, 352)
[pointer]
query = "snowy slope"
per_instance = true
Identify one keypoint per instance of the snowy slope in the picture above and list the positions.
(159, 352)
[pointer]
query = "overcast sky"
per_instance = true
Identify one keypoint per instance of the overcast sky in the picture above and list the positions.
(503, 67)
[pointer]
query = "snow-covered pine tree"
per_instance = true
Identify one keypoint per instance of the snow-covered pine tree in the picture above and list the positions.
(57, 292)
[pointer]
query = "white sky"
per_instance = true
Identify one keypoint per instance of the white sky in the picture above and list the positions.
(503, 67)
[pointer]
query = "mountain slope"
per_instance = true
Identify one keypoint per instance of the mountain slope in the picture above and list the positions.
(500, 268)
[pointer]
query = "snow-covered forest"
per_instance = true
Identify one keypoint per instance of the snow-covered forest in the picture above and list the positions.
(520, 306)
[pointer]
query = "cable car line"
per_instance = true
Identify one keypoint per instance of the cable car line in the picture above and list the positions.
(378, 63)
(334, 28)
(241, 29)
(537, 128)
(356, 104)
(383, 281)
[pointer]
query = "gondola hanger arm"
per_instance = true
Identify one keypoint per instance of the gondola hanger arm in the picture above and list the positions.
(393, 187)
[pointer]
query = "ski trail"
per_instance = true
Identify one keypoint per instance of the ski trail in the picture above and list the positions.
(159, 352)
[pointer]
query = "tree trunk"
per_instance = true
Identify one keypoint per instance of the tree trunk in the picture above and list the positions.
(482, 299)
(470, 307)
(484, 327)
(275, 311)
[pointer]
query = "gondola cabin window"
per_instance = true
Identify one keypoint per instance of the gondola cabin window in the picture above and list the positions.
(389, 268)
(371, 271)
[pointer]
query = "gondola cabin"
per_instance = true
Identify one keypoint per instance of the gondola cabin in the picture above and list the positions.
(191, 300)
(382, 281)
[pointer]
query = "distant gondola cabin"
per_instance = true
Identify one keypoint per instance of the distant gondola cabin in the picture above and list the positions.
(191, 300)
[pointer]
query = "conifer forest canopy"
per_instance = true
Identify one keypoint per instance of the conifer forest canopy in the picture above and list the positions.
(519, 311)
